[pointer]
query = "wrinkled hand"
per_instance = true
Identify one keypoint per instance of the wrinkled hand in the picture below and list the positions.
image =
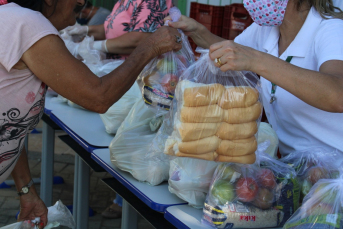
(31, 206)
(163, 40)
(186, 24)
(233, 56)
(77, 30)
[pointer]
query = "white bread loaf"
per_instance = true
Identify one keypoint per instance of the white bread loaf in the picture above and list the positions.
(195, 131)
(247, 159)
(228, 131)
(206, 156)
(235, 148)
(203, 114)
(243, 115)
(201, 146)
(235, 97)
(202, 95)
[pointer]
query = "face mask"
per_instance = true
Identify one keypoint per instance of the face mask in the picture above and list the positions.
(84, 21)
(266, 12)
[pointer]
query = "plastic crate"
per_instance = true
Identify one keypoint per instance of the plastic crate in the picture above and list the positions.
(210, 16)
(236, 20)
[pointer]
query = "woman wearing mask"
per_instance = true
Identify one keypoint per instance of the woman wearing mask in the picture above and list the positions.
(32, 55)
(296, 47)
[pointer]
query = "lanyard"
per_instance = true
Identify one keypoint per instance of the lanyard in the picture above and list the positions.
(274, 86)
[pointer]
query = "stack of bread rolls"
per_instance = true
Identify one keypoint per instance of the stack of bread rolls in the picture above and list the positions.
(214, 122)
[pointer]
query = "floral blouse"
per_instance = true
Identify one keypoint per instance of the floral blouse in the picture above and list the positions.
(135, 16)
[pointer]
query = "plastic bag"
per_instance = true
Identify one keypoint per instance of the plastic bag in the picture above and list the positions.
(313, 164)
(58, 215)
(190, 178)
(117, 113)
(217, 114)
(266, 132)
(251, 196)
(130, 147)
(161, 75)
(322, 207)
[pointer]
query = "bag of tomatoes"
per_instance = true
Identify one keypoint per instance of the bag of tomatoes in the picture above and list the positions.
(322, 207)
(161, 75)
(259, 195)
(313, 164)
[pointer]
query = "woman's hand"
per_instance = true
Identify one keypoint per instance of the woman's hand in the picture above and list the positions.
(162, 41)
(186, 24)
(233, 56)
(31, 207)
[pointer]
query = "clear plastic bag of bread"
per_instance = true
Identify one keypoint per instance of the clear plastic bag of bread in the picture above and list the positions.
(161, 75)
(322, 207)
(190, 178)
(312, 165)
(217, 114)
(258, 195)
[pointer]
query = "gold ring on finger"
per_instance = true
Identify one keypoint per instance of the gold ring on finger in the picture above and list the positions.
(218, 61)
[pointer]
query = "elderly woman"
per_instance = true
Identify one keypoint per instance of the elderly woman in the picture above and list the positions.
(32, 56)
(296, 47)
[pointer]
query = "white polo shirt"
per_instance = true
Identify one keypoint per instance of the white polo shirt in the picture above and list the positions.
(338, 3)
(297, 124)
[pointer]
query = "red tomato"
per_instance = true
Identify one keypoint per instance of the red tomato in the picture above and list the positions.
(246, 189)
(169, 82)
(266, 178)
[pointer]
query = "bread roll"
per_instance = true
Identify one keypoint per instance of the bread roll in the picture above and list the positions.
(201, 146)
(247, 159)
(242, 115)
(206, 156)
(228, 131)
(202, 96)
(195, 131)
(235, 97)
(204, 114)
(238, 147)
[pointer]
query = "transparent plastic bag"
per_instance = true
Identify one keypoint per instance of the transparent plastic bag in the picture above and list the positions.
(322, 207)
(217, 114)
(117, 113)
(58, 215)
(251, 195)
(266, 132)
(190, 178)
(313, 164)
(130, 147)
(161, 75)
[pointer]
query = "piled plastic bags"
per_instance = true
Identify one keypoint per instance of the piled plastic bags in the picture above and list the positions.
(58, 215)
(312, 165)
(259, 195)
(322, 206)
(217, 114)
(137, 148)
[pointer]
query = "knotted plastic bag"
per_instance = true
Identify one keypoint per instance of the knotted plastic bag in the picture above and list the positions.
(217, 114)
(161, 75)
(258, 195)
(322, 207)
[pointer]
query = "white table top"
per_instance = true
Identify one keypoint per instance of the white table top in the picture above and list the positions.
(156, 197)
(86, 127)
(185, 216)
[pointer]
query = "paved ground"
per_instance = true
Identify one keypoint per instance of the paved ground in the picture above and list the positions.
(100, 195)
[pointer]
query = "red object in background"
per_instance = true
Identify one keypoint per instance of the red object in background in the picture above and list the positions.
(236, 19)
(246, 189)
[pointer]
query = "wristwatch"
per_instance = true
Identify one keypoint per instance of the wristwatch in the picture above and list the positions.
(25, 189)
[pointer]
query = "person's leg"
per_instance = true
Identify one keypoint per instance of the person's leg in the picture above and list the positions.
(114, 211)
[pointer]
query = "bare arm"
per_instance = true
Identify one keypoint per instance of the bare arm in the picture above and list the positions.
(126, 43)
(321, 89)
(199, 33)
(97, 31)
(31, 205)
(51, 62)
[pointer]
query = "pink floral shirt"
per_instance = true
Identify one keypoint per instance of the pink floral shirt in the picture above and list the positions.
(135, 16)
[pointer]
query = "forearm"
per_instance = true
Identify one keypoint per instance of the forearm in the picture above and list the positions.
(21, 172)
(204, 38)
(126, 43)
(318, 89)
(97, 31)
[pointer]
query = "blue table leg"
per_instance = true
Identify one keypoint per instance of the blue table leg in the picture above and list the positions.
(82, 195)
(47, 164)
(76, 170)
(129, 216)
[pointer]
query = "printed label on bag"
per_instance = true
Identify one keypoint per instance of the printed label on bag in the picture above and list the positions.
(331, 218)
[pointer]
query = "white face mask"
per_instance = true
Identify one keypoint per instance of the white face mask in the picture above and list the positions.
(266, 12)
